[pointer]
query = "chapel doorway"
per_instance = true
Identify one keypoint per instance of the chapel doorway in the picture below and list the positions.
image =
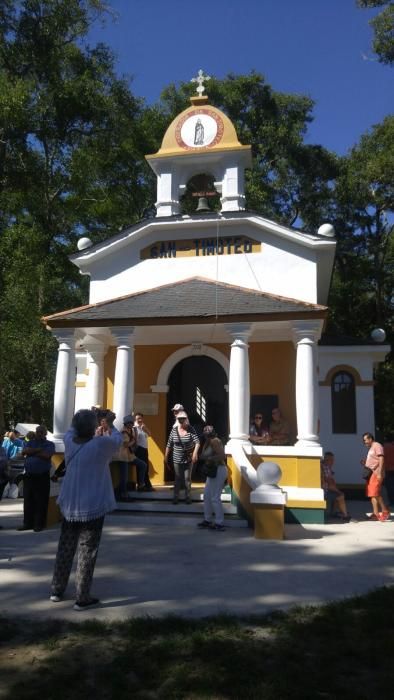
(198, 383)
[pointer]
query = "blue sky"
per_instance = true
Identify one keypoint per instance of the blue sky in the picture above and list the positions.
(321, 48)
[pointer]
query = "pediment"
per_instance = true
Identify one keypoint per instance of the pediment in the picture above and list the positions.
(242, 248)
(204, 226)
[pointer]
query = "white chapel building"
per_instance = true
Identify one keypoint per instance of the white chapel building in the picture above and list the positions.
(222, 311)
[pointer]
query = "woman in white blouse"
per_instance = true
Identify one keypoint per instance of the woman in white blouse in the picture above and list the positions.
(86, 496)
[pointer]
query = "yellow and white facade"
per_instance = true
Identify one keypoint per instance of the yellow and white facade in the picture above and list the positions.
(218, 311)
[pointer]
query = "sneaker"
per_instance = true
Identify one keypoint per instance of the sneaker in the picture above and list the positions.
(385, 515)
(87, 604)
(188, 501)
(373, 517)
(55, 598)
(204, 523)
(216, 526)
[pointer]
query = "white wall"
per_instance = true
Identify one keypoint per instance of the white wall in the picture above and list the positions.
(349, 449)
(282, 267)
(81, 392)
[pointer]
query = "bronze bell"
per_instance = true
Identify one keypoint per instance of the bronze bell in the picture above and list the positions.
(202, 204)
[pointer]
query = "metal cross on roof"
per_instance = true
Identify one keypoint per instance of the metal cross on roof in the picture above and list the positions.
(200, 80)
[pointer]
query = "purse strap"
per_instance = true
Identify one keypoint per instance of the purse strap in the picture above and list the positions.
(75, 454)
(185, 453)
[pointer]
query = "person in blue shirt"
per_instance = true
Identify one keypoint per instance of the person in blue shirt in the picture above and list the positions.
(36, 482)
(12, 444)
(3, 468)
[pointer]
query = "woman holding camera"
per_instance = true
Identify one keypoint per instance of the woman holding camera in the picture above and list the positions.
(86, 496)
(213, 457)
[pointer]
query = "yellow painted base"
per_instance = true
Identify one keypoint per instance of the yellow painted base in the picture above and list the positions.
(303, 472)
(57, 459)
(132, 476)
(54, 515)
(293, 503)
(269, 522)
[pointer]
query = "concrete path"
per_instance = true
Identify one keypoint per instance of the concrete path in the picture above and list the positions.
(158, 569)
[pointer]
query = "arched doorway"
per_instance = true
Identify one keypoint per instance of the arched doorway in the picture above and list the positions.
(198, 383)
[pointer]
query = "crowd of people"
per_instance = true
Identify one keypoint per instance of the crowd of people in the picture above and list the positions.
(378, 465)
(87, 493)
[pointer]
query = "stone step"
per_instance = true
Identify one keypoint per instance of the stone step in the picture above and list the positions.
(166, 506)
(156, 507)
(179, 518)
(165, 493)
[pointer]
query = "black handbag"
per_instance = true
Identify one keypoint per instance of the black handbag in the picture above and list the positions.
(210, 469)
(367, 473)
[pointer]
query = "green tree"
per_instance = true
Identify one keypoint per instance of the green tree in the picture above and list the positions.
(363, 210)
(72, 145)
(363, 214)
(383, 29)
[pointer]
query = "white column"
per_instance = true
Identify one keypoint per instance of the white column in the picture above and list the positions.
(95, 384)
(63, 408)
(124, 374)
(233, 198)
(239, 382)
(305, 338)
(167, 194)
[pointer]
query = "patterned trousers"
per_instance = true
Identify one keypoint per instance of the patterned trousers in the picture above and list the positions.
(86, 536)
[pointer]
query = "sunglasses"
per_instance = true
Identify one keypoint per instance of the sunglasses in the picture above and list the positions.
(258, 417)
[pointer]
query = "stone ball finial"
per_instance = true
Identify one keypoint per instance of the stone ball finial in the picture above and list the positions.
(378, 335)
(268, 474)
(326, 230)
(84, 243)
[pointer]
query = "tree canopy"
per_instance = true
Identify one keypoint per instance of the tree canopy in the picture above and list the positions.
(383, 29)
(72, 143)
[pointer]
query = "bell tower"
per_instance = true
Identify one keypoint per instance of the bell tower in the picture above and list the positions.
(201, 139)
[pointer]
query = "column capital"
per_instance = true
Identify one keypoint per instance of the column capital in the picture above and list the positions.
(239, 331)
(306, 331)
(95, 348)
(123, 335)
(64, 336)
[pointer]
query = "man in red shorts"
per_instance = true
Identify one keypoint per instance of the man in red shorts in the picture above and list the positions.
(375, 461)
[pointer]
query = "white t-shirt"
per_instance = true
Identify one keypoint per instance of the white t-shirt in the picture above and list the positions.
(142, 438)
